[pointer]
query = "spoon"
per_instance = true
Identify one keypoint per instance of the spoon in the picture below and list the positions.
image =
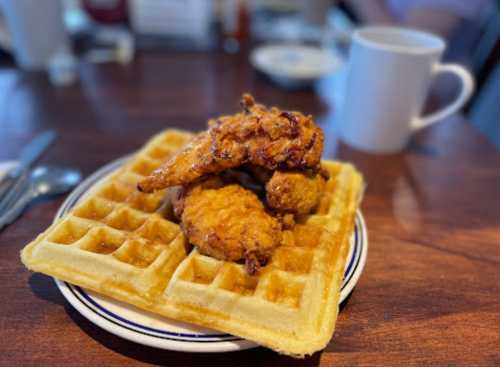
(44, 180)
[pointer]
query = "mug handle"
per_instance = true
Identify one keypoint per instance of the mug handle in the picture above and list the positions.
(467, 88)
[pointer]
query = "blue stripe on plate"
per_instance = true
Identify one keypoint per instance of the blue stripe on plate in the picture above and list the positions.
(118, 317)
(356, 256)
(194, 339)
(347, 272)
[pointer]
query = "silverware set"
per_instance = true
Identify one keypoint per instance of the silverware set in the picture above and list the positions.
(21, 184)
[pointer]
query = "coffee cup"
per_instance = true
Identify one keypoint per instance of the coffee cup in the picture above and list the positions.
(389, 71)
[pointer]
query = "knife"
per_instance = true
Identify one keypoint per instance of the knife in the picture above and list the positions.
(28, 155)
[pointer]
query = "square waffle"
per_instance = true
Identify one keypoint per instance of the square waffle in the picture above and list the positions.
(124, 244)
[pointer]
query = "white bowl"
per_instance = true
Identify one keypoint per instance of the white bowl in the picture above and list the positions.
(294, 65)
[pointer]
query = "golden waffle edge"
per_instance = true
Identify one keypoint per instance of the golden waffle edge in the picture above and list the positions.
(120, 242)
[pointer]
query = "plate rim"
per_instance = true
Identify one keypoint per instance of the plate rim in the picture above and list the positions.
(358, 259)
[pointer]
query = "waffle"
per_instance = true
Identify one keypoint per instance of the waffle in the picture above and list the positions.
(124, 244)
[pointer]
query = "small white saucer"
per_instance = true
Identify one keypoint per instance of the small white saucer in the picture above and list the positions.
(292, 65)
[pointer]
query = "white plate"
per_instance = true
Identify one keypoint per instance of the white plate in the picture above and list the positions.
(294, 65)
(146, 328)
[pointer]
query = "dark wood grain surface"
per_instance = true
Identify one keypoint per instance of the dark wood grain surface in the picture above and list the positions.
(430, 292)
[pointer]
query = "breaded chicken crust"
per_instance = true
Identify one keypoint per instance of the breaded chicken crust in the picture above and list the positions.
(228, 222)
(269, 138)
(294, 192)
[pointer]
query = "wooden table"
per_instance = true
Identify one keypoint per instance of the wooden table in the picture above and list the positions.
(430, 292)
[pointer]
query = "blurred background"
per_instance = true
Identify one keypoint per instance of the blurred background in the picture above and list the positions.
(72, 43)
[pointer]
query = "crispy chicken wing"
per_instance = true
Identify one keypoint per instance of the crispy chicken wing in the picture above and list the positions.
(268, 138)
(294, 192)
(291, 192)
(228, 222)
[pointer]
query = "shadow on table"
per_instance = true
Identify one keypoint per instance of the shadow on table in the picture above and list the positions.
(251, 357)
(45, 288)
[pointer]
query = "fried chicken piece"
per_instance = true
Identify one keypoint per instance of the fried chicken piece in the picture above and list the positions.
(188, 165)
(269, 138)
(294, 192)
(291, 192)
(287, 220)
(228, 222)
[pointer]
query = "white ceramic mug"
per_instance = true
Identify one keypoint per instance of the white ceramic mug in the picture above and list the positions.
(389, 73)
(36, 30)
